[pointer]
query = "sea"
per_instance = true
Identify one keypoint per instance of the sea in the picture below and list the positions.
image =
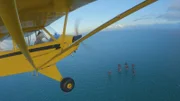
(94, 67)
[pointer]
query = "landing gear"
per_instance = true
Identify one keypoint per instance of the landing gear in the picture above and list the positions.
(67, 84)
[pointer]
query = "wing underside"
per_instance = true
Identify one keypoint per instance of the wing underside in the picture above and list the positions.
(36, 14)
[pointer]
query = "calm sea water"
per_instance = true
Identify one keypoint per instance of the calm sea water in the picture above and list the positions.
(155, 53)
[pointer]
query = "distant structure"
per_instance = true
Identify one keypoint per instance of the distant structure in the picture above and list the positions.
(133, 65)
(126, 65)
(109, 73)
(133, 69)
(119, 67)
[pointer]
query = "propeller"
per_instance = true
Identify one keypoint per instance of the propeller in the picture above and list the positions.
(77, 35)
(77, 22)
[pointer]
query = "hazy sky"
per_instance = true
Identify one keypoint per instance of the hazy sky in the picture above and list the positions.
(98, 12)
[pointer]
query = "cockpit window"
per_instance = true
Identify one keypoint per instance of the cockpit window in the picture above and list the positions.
(31, 38)
(37, 37)
(6, 43)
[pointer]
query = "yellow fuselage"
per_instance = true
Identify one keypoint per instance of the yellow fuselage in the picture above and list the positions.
(14, 62)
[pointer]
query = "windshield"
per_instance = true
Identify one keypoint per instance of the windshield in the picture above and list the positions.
(36, 37)
(31, 38)
(6, 44)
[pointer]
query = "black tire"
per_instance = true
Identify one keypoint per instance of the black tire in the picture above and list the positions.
(67, 84)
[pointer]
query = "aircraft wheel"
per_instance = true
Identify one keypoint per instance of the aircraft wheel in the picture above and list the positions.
(67, 84)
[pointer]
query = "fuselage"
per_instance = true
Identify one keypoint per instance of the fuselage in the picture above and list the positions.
(44, 55)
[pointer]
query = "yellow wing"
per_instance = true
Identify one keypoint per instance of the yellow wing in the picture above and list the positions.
(36, 14)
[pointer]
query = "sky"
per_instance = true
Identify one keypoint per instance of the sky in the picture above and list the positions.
(98, 12)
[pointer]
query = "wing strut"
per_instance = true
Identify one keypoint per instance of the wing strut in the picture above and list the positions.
(51, 36)
(10, 17)
(113, 20)
(64, 28)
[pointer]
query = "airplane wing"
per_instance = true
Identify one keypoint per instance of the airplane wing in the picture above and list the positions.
(37, 14)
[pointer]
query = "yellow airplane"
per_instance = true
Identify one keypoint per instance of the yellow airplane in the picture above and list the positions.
(21, 19)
